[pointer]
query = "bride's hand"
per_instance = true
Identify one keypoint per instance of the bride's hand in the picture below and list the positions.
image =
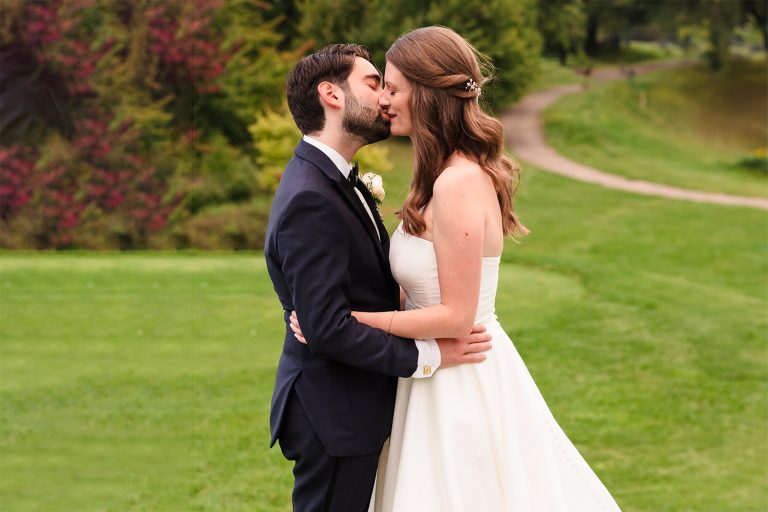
(296, 328)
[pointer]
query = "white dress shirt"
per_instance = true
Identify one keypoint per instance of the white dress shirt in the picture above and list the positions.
(429, 352)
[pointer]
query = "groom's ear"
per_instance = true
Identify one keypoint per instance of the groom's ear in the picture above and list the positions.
(330, 95)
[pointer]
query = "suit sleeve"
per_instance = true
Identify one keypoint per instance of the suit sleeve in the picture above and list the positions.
(314, 251)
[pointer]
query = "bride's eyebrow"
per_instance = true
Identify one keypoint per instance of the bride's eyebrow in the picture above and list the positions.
(389, 84)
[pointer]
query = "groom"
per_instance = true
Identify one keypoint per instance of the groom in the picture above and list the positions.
(327, 254)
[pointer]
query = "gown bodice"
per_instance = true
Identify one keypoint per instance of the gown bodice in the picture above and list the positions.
(414, 265)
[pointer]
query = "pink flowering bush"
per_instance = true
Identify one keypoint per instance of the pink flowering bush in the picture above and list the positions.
(103, 147)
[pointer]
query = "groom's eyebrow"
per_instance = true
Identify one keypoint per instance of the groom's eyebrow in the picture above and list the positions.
(376, 78)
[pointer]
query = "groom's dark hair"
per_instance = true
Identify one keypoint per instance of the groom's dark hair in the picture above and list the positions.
(330, 64)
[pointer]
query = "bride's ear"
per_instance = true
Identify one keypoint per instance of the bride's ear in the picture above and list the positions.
(330, 95)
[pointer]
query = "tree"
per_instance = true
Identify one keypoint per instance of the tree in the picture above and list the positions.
(721, 17)
(504, 30)
(127, 99)
(758, 10)
(611, 21)
(561, 24)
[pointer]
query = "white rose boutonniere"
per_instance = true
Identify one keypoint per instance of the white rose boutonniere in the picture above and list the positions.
(375, 185)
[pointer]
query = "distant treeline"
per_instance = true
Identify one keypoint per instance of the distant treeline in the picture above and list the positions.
(161, 123)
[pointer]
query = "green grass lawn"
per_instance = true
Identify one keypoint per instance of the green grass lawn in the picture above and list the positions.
(689, 128)
(648, 340)
(143, 381)
(137, 382)
(552, 73)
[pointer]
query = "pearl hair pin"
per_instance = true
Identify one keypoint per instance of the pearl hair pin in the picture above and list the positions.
(471, 85)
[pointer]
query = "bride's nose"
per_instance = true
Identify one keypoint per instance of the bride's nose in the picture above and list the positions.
(383, 99)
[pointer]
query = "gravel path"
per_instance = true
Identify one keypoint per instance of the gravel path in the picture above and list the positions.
(525, 136)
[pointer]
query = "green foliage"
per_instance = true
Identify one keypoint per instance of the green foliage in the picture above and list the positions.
(222, 174)
(561, 24)
(504, 30)
(339, 21)
(256, 69)
(161, 94)
(757, 161)
(722, 18)
(710, 24)
(141, 115)
(223, 227)
(374, 158)
(275, 137)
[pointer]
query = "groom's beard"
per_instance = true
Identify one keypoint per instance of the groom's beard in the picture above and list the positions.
(363, 122)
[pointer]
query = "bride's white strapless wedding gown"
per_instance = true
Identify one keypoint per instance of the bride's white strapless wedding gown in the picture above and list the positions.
(477, 437)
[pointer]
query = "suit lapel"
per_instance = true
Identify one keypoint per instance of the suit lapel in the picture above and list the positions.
(354, 200)
(384, 236)
(312, 154)
(371, 202)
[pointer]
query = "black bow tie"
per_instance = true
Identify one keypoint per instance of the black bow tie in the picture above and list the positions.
(352, 178)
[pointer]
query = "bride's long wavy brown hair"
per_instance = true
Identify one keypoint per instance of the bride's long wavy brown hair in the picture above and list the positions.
(447, 118)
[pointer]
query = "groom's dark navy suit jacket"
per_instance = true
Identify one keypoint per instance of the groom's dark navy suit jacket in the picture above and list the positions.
(325, 260)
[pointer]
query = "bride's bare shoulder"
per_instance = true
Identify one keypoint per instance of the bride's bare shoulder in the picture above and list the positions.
(461, 177)
(459, 173)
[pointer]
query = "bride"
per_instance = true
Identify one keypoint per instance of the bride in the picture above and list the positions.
(476, 437)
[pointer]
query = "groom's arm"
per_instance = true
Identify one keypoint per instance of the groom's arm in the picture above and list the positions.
(314, 252)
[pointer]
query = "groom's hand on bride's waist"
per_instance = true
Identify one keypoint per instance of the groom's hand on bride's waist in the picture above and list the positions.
(467, 349)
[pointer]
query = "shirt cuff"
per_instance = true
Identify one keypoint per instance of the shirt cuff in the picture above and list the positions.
(429, 358)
